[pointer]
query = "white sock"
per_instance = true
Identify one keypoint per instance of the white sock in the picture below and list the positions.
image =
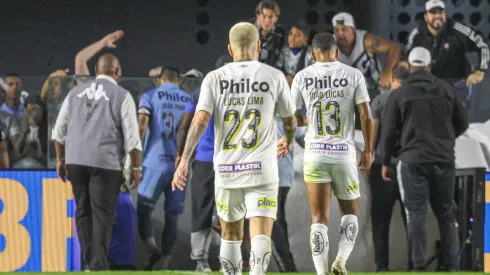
(347, 236)
(319, 247)
(230, 256)
(260, 254)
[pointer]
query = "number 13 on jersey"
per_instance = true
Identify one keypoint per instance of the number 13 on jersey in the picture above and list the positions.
(331, 109)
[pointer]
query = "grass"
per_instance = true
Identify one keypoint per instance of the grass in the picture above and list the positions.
(213, 273)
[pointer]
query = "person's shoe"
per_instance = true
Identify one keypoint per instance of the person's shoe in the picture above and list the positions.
(165, 261)
(155, 256)
(338, 267)
(382, 269)
(203, 266)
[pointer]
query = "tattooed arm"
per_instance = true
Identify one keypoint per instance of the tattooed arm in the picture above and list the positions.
(185, 123)
(375, 44)
(198, 126)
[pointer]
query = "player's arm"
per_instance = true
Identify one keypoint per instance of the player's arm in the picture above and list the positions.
(144, 114)
(298, 101)
(198, 126)
(143, 120)
(361, 98)
(367, 126)
(182, 132)
(287, 111)
(375, 44)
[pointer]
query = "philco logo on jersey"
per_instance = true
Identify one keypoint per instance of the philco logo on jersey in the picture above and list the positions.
(326, 82)
(240, 167)
(173, 97)
(266, 203)
(329, 147)
(243, 86)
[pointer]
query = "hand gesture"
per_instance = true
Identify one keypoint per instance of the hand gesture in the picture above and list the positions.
(283, 148)
(111, 39)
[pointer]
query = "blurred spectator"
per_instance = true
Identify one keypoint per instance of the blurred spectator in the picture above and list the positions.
(421, 122)
(13, 130)
(3, 95)
(296, 55)
(12, 103)
(384, 194)
(448, 42)
(191, 80)
(271, 34)
(33, 141)
(4, 157)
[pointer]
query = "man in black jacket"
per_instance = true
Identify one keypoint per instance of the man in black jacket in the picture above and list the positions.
(425, 117)
(448, 42)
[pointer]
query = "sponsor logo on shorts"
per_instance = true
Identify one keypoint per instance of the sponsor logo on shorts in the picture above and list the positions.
(317, 243)
(221, 207)
(266, 203)
(329, 147)
(240, 167)
(353, 187)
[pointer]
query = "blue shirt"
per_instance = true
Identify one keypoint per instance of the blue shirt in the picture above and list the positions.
(18, 113)
(165, 107)
(205, 147)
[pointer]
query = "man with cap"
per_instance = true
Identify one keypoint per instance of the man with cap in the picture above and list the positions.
(448, 41)
(421, 122)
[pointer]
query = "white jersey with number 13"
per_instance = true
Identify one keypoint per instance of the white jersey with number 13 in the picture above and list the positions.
(244, 97)
(331, 91)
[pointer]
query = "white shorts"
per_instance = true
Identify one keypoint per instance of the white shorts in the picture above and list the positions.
(256, 201)
(344, 178)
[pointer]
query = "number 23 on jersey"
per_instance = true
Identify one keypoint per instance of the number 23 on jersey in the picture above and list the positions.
(253, 117)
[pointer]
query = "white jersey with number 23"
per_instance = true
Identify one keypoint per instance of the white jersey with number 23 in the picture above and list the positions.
(244, 97)
(331, 91)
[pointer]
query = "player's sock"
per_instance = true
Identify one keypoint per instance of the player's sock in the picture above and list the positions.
(319, 247)
(145, 224)
(260, 254)
(169, 233)
(348, 233)
(230, 257)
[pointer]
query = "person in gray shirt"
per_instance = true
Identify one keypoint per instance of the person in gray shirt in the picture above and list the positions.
(97, 127)
(384, 194)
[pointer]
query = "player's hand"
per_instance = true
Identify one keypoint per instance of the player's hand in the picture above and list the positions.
(385, 173)
(59, 73)
(385, 79)
(474, 78)
(283, 148)
(111, 39)
(177, 161)
(180, 176)
(135, 179)
(366, 160)
(61, 170)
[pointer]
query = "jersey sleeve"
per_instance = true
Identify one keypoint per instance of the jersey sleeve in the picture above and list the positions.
(361, 94)
(145, 104)
(206, 98)
(296, 92)
(190, 107)
(285, 105)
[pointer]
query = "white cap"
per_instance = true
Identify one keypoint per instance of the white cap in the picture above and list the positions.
(343, 18)
(434, 4)
(194, 73)
(419, 56)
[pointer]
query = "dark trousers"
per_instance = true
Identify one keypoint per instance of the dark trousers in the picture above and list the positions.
(384, 194)
(96, 191)
(433, 182)
(281, 253)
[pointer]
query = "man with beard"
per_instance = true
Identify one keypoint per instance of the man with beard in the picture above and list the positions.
(448, 42)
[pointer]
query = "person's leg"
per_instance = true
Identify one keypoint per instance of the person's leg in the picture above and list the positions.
(414, 190)
(442, 202)
(319, 191)
(80, 178)
(104, 191)
(383, 197)
(230, 206)
(403, 213)
(346, 190)
(149, 190)
(280, 242)
(202, 191)
(261, 203)
(174, 205)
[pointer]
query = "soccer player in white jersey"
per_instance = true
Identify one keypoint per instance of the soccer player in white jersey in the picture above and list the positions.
(331, 91)
(244, 96)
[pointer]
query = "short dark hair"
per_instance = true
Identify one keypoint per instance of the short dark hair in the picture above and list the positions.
(170, 74)
(400, 71)
(11, 75)
(270, 5)
(324, 42)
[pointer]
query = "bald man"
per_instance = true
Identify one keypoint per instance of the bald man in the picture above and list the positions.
(243, 96)
(98, 121)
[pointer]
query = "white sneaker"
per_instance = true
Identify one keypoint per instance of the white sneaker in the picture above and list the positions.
(338, 267)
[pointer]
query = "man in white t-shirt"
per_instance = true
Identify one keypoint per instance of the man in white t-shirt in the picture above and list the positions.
(244, 97)
(331, 90)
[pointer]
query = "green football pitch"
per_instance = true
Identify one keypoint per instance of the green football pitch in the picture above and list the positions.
(213, 273)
